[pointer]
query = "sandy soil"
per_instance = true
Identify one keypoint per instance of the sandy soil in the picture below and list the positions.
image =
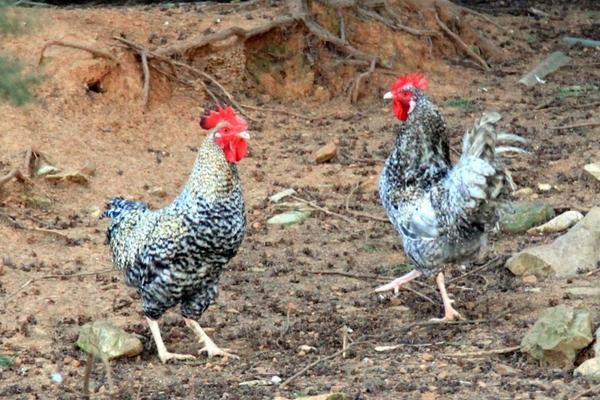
(276, 273)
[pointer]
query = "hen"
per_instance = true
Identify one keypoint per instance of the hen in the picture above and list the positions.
(175, 255)
(442, 212)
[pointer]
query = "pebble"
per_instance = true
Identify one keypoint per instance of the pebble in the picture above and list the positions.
(325, 153)
(530, 279)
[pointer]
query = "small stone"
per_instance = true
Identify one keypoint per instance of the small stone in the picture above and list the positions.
(34, 200)
(56, 377)
(158, 192)
(581, 292)
(94, 212)
(558, 335)
(306, 348)
(289, 217)
(530, 279)
(544, 187)
(589, 369)
(325, 153)
(281, 195)
(518, 217)
(321, 94)
(523, 192)
(558, 224)
(593, 170)
(75, 363)
(504, 370)
(105, 340)
(427, 357)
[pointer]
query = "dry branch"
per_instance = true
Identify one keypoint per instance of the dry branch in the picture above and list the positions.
(96, 52)
(482, 353)
(14, 174)
(359, 79)
(146, 69)
(462, 44)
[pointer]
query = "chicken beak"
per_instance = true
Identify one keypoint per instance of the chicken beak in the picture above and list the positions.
(245, 135)
(388, 96)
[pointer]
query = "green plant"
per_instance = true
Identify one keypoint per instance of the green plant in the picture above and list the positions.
(15, 84)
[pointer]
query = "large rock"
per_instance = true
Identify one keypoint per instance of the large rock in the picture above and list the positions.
(589, 369)
(104, 340)
(519, 216)
(577, 250)
(558, 335)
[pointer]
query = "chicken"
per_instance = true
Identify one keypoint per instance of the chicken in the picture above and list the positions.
(442, 212)
(175, 255)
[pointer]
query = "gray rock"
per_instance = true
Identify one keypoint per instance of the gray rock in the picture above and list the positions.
(106, 341)
(586, 291)
(575, 251)
(593, 170)
(558, 224)
(589, 369)
(518, 217)
(289, 217)
(558, 335)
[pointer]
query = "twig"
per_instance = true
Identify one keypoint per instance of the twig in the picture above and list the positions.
(286, 112)
(593, 272)
(318, 361)
(48, 277)
(405, 28)
(483, 352)
(96, 52)
(369, 216)
(485, 17)
(421, 295)
(342, 26)
(462, 44)
(86, 375)
(144, 56)
(14, 174)
(580, 125)
(323, 209)
(111, 384)
(492, 263)
(586, 392)
(350, 275)
(359, 78)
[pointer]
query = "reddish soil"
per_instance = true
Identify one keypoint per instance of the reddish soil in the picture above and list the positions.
(277, 268)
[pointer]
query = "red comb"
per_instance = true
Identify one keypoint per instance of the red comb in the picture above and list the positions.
(221, 113)
(416, 80)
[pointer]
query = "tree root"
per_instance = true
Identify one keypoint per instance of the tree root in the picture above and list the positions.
(462, 44)
(17, 173)
(95, 52)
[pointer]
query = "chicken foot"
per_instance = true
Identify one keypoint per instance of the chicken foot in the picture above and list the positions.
(210, 347)
(163, 354)
(397, 283)
(450, 314)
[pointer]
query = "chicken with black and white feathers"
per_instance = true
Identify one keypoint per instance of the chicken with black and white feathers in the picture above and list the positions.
(443, 212)
(175, 255)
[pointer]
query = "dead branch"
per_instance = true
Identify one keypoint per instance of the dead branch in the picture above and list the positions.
(300, 14)
(95, 52)
(482, 353)
(405, 28)
(462, 44)
(48, 277)
(86, 375)
(14, 174)
(350, 275)
(587, 391)
(484, 17)
(323, 209)
(492, 263)
(146, 69)
(359, 79)
(579, 125)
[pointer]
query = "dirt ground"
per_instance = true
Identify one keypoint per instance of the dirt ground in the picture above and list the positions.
(276, 273)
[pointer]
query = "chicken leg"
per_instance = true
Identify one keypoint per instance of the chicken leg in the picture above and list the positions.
(397, 283)
(450, 314)
(163, 354)
(209, 346)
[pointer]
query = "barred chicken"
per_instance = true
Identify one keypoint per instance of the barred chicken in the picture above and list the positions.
(443, 212)
(175, 255)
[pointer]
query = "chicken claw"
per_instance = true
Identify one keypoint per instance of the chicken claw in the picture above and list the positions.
(397, 283)
(450, 314)
(210, 348)
(166, 356)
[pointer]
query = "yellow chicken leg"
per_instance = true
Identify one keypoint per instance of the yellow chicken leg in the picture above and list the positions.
(397, 283)
(163, 354)
(450, 314)
(210, 347)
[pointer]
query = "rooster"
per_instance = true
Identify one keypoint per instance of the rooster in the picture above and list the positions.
(175, 255)
(442, 212)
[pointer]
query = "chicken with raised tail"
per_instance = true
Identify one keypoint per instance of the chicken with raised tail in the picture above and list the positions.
(175, 255)
(443, 212)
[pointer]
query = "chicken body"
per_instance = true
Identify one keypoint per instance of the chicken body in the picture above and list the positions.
(442, 212)
(175, 255)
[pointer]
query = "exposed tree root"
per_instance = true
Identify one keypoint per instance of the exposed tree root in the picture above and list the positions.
(96, 52)
(17, 173)
(462, 44)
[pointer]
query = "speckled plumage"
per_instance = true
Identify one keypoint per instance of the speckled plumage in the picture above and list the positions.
(175, 255)
(442, 212)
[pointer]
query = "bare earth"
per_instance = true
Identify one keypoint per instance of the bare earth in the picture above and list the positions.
(276, 273)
